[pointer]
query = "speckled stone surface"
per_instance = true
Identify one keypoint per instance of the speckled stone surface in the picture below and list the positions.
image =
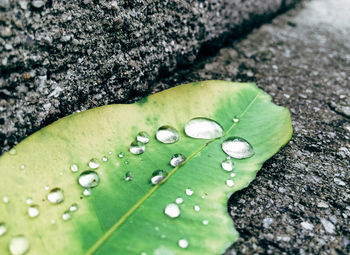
(58, 57)
(300, 201)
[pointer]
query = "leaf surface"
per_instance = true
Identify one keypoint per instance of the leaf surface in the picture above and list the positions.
(127, 217)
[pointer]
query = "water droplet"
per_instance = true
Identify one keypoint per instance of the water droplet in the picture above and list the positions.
(232, 174)
(19, 245)
(104, 159)
(179, 200)
(22, 167)
(3, 228)
(230, 183)
(93, 163)
(33, 211)
(47, 187)
(167, 134)
(67, 215)
(129, 176)
(121, 155)
(237, 148)
(205, 222)
(203, 128)
(235, 119)
(172, 210)
(55, 196)
(88, 179)
(189, 192)
(156, 228)
(74, 207)
(203, 196)
(142, 137)
(5, 199)
(158, 176)
(143, 253)
(53, 222)
(197, 208)
(87, 192)
(177, 159)
(74, 168)
(183, 243)
(110, 153)
(137, 148)
(13, 152)
(163, 236)
(227, 165)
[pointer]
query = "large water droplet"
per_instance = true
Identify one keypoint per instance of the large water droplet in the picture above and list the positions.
(55, 196)
(129, 176)
(179, 200)
(237, 148)
(203, 128)
(74, 168)
(183, 243)
(19, 245)
(74, 207)
(142, 137)
(3, 228)
(67, 215)
(177, 159)
(172, 210)
(158, 176)
(167, 134)
(227, 165)
(137, 148)
(230, 183)
(33, 211)
(88, 179)
(93, 163)
(189, 192)
(87, 192)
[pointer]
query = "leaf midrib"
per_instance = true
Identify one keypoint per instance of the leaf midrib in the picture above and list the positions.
(110, 231)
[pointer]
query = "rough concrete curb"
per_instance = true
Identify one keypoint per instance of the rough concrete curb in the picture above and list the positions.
(60, 58)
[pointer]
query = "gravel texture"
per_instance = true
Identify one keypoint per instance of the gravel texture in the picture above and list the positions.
(300, 201)
(58, 57)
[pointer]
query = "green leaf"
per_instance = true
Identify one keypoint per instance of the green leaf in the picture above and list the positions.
(127, 217)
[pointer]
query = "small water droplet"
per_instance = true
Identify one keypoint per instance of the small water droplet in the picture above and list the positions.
(179, 200)
(3, 228)
(13, 152)
(121, 155)
(205, 222)
(137, 148)
(74, 207)
(88, 179)
(189, 192)
(104, 159)
(5, 199)
(93, 163)
(33, 211)
(158, 176)
(74, 168)
(47, 187)
(61, 173)
(167, 134)
(142, 137)
(19, 245)
(183, 243)
(232, 174)
(172, 210)
(129, 176)
(163, 236)
(22, 167)
(177, 159)
(87, 192)
(203, 128)
(143, 253)
(235, 119)
(53, 222)
(230, 183)
(156, 228)
(237, 148)
(67, 215)
(227, 165)
(110, 153)
(203, 196)
(196, 208)
(55, 196)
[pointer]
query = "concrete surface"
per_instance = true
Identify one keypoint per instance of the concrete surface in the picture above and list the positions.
(300, 201)
(58, 57)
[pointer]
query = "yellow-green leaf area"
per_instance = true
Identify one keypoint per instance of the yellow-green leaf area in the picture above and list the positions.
(126, 216)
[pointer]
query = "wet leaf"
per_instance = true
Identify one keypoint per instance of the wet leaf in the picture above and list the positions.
(126, 179)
